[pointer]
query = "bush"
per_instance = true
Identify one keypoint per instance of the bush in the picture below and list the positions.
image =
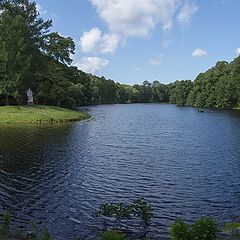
(205, 229)
(139, 208)
(180, 230)
(202, 229)
(143, 210)
(233, 229)
(113, 235)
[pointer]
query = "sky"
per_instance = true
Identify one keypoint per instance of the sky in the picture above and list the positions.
(130, 41)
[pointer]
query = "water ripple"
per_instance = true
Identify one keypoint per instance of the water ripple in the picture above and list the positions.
(176, 158)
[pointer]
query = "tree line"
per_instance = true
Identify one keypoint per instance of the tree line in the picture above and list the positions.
(31, 56)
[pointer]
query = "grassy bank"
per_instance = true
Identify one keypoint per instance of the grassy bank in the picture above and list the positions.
(39, 114)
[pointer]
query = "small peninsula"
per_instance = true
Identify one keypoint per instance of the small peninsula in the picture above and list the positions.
(39, 114)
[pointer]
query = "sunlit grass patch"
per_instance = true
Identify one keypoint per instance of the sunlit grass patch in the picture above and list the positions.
(39, 114)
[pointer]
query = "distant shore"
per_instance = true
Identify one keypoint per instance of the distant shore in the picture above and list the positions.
(39, 114)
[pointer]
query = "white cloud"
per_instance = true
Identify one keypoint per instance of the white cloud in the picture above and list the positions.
(199, 53)
(238, 51)
(91, 64)
(136, 69)
(136, 17)
(96, 42)
(155, 61)
(89, 40)
(41, 10)
(140, 17)
(186, 12)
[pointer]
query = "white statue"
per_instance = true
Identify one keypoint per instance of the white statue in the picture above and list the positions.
(30, 97)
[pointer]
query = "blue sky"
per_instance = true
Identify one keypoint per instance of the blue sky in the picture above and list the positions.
(130, 41)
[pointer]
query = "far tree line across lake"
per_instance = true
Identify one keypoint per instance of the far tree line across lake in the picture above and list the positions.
(33, 57)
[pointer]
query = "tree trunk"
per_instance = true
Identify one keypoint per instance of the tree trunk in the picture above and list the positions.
(20, 100)
(7, 100)
(59, 103)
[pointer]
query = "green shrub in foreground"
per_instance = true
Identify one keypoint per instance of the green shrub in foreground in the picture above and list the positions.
(202, 229)
(113, 235)
(180, 230)
(233, 229)
(205, 229)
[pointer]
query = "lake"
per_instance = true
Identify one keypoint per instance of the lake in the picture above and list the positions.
(185, 163)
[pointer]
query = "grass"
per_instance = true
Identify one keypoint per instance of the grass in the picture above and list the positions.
(39, 114)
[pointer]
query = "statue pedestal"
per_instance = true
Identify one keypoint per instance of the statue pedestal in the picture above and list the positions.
(30, 103)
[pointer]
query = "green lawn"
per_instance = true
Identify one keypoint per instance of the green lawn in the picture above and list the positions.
(39, 114)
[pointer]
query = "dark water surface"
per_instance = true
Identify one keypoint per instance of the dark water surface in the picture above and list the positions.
(185, 163)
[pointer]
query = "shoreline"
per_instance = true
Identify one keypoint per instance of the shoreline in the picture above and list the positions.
(40, 114)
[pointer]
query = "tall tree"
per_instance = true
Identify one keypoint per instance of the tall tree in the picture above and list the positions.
(22, 35)
(59, 48)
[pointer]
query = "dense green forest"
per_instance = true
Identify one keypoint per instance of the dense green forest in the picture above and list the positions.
(31, 56)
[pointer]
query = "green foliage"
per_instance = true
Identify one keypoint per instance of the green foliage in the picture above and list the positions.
(112, 235)
(180, 92)
(59, 48)
(142, 210)
(180, 230)
(31, 56)
(205, 229)
(46, 235)
(202, 229)
(139, 208)
(117, 210)
(233, 229)
(35, 230)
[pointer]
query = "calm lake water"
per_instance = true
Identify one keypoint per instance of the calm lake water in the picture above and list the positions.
(185, 163)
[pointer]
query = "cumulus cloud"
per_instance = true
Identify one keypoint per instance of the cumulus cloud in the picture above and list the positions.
(41, 10)
(186, 12)
(136, 17)
(94, 41)
(130, 18)
(199, 53)
(91, 64)
(238, 51)
(139, 17)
